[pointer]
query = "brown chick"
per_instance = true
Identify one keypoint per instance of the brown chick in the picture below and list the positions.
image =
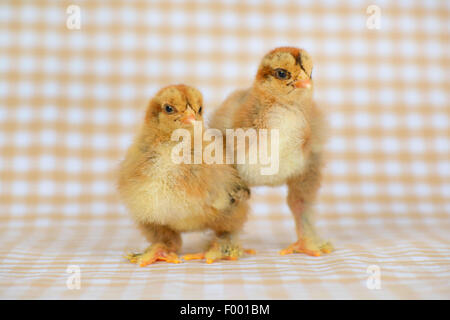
(282, 98)
(166, 198)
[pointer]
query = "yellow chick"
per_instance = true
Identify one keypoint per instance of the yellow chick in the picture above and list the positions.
(281, 98)
(166, 198)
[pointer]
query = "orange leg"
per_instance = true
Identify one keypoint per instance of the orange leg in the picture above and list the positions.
(308, 241)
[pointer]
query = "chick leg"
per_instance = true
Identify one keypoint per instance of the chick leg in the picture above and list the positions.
(308, 241)
(301, 195)
(165, 244)
(225, 245)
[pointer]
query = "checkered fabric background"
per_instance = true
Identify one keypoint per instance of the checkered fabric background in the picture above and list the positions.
(70, 101)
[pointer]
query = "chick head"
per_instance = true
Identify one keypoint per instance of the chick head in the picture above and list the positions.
(174, 107)
(285, 71)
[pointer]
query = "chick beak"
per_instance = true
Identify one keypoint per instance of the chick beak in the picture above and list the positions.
(188, 119)
(306, 84)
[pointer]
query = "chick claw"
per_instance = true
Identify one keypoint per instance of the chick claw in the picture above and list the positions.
(310, 247)
(157, 252)
(219, 252)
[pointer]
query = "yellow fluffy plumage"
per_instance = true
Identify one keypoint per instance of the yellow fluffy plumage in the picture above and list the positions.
(166, 198)
(281, 97)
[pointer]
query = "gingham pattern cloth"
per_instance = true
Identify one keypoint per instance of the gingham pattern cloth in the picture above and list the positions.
(70, 101)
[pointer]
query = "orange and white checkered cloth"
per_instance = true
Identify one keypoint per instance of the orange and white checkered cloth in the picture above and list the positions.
(70, 100)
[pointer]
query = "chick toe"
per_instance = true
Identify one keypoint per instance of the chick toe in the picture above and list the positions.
(194, 256)
(220, 250)
(156, 252)
(312, 247)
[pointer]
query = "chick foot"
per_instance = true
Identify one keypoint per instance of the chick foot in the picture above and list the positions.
(312, 247)
(220, 250)
(156, 252)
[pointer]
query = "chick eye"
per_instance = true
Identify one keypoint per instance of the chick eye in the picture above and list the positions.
(282, 74)
(169, 109)
(200, 110)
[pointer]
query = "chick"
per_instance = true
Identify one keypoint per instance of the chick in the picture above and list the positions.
(281, 98)
(166, 198)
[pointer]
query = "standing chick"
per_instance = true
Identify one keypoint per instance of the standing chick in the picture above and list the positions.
(166, 198)
(282, 98)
